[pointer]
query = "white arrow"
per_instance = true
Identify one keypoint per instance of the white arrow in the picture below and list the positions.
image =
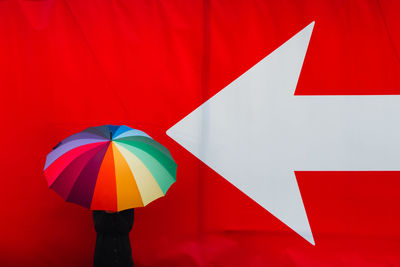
(256, 133)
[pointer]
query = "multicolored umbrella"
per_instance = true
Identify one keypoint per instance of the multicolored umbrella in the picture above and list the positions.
(110, 168)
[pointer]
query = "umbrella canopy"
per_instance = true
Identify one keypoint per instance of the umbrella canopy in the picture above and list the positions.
(110, 167)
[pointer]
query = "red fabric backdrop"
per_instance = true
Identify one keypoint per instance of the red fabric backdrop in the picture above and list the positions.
(68, 64)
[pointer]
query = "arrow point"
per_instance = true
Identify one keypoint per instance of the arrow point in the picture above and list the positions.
(236, 133)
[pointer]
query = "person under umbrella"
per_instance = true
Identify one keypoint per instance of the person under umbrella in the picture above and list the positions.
(110, 169)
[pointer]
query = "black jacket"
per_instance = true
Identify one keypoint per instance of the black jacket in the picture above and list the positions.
(113, 247)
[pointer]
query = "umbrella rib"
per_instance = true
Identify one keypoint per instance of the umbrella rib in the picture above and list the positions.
(135, 144)
(137, 186)
(80, 173)
(148, 141)
(154, 158)
(169, 175)
(132, 166)
(59, 151)
(72, 161)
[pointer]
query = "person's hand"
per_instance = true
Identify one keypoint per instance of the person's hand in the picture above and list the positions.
(109, 211)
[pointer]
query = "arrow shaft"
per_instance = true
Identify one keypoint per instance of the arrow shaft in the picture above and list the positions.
(346, 132)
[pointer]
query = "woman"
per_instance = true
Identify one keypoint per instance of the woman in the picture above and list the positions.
(113, 247)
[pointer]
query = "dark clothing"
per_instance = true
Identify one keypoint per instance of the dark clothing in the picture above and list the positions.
(113, 247)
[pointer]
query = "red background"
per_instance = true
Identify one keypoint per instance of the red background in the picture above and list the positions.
(66, 65)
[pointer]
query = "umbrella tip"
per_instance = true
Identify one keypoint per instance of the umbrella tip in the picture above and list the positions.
(110, 135)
